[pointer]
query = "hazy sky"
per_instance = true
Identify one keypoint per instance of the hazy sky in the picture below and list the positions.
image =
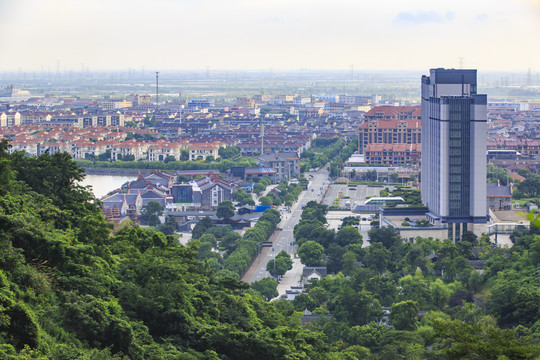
(263, 34)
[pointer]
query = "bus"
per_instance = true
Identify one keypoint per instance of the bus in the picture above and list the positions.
(385, 201)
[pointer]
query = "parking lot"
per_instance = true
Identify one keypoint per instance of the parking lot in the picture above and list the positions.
(335, 218)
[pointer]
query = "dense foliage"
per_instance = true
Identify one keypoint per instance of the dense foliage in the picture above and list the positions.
(321, 152)
(218, 164)
(423, 300)
(72, 289)
(69, 289)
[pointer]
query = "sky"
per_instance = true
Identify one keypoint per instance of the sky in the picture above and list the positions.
(72, 35)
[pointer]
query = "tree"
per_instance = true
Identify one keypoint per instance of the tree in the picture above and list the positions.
(350, 221)
(310, 253)
(152, 212)
(184, 155)
(267, 287)
(355, 308)
(404, 315)
(169, 226)
(169, 158)
(258, 188)
(243, 198)
(348, 235)
(516, 301)
(483, 340)
(201, 227)
(266, 201)
(530, 187)
(225, 210)
(377, 257)
(280, 265)
(229, 152)
(230, 241)
(105, 156)
(387, 236)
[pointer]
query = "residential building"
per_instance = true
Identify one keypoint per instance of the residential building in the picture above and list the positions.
(203, 150)
(393, 154)
(454, 121)
(116, 104)
(387, 112)
(286, 164)
(138, 99)
(200, 103)
(10, 119)
(499, 197)
(390, 131)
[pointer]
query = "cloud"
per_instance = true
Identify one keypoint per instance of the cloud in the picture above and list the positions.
(423, 17)
(482, 17)
(275, 20)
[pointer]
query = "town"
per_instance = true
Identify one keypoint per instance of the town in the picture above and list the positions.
(290, 193)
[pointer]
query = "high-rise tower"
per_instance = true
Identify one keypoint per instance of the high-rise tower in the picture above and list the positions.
(454, 121)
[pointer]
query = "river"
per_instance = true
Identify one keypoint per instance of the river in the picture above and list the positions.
(104, 184)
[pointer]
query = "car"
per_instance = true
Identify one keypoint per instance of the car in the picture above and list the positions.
(364, 219)
(352, 188)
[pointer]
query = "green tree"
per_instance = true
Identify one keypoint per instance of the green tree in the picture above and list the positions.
(404, 315)
(355, 308)
(348, 235)
(280, 265)
(267, 287)
(377, 257)
(169, 226)
(387, 236)
(243, 198)
(152, 212)
(483, 340)
(310, 253)
(169, 158)
(350, 221)
(201, 227)
(266, 201)
(225, 210)
(184, 155)
(229, 152)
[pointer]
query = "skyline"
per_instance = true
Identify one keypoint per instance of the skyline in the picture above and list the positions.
(75, 35)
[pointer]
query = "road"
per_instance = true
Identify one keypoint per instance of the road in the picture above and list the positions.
(283, 239)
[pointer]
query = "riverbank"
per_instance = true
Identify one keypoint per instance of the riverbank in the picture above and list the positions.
(117, 172)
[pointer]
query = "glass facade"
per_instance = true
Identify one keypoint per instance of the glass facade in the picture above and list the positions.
(459, 156)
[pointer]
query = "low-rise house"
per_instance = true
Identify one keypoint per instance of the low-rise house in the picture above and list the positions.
(211, 191)
(499, 197)
(123, 203)
(313, 272)
(152, 194)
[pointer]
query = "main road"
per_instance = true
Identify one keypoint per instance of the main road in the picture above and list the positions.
(283, 239)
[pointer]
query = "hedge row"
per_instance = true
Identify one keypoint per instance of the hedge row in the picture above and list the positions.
(242, 257)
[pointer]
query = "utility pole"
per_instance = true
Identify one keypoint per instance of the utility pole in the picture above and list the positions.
(157, 88)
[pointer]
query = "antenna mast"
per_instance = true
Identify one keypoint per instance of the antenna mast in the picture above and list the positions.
(157, 87)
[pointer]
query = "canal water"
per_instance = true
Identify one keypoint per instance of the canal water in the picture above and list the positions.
(104, 184)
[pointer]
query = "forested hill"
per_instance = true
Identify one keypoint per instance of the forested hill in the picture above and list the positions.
(69, 289)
